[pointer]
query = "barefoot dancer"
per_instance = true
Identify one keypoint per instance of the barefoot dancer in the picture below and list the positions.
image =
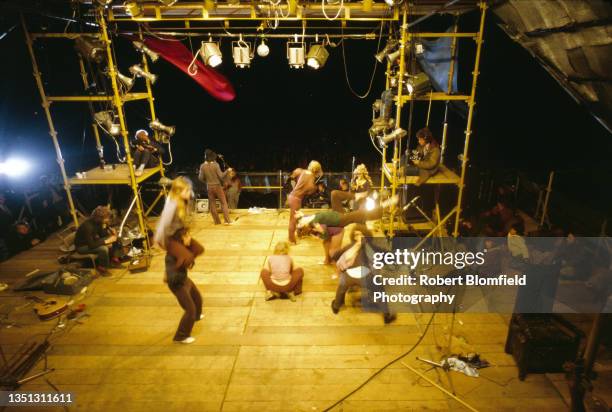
(305, 186)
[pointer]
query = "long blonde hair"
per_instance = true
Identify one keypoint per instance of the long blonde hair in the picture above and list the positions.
(315, 168)
(178, 186)
(361, 176)
(281, 248)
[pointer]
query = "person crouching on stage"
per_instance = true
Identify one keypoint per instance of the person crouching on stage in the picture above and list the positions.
(306, 185)
(211, 174)
(354, 270)
(145, 153)
(95, 237)
(182, 250)
(279, 276)
(186, 292)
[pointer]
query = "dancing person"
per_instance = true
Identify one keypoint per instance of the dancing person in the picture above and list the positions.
(354, 271)
(186, 292)
(305, 185)
(95, 236)
(233, 187)
(211, 174)
(145, 152)
(280, 276)
(426, 162)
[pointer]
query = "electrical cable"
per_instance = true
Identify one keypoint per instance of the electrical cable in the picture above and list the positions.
(416, 344)
(337, 14)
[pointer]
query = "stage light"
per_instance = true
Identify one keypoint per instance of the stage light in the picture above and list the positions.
(144, 49)
(418, 84)
(14, 167)
(133, 8)
(138, 71)
(295, 55)
(391, 45)
(168, 3)
(211, 54)
(162, 128)
(263, 50)
(90, 48)
(106, 121)
(128, 82)
(241, 52)
(397, 134)
(370, 203)
(317, 56)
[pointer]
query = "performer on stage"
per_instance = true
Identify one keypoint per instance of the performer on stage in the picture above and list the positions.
(232, 187)
(361, 184)
(172, 234)
(306, 185)
(280, 276)
(427, 157)
(145, 152)
(94, 236)
(211, 174)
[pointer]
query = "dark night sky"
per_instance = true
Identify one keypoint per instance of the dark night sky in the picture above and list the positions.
(524, 119)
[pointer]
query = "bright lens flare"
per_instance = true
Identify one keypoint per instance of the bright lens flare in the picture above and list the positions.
(370, 203)
(14, 167)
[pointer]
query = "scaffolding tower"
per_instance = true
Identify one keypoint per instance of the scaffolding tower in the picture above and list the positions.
(121, 174)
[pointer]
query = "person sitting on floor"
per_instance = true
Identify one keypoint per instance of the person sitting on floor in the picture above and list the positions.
(354, 271)
(94, 236)
(22, 238)
(280, 276)
(146, 152)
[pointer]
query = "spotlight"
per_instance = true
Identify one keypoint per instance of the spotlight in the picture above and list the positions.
(317, 56)
(144, 49)
(295, 55)
(263, 50)
(370, 203)
(14, 167)
(394, 135)
(128, 82)
(391, 45)
(133, 8)
(418, 84)
(138, 71)
(105, 120)
(90, 48)
(162, 128)
(241, 52)
(211, 54)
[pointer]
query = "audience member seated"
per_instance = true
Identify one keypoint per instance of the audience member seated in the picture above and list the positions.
(94, 236)
(516, 244)
(6, 220)
(21, 238)
(499, 218)
(280, 277)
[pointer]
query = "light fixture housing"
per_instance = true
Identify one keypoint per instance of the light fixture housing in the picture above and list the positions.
(128, 82)
(211, 54)
(390, 46)
(296, 55)
(263, 50)
(141, 47)
(90, 48)
(418, 83)
(241, 52)
(106, 120)
(317, 56)
(162, 128)
(397, 134)
(133, 8)
(138, 71)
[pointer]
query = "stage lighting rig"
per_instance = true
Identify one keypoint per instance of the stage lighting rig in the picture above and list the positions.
(90, 48)
(242, 54)
(296, 55)
(418, 84)
(168, 3)
(126, 81)
(106, 121)
(397, 134)
(381, 114)
(141, 47)
(392, 44)
(138, 71)
(165, 131)
(211, 54)
(317, 56)
(133, 8)
(263, 50)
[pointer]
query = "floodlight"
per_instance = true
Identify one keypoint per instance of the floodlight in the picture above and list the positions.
(90, 48)
(391, 45)
(241, 52)
(394, 135)
(418, 84)
(295, 54)
(370, 203)
(141, 47)
(162, 128)
(263, 50)
(317, 56)
(106, 120)
(14, 167)
(138, 71)
(128, 82)
(211, 54)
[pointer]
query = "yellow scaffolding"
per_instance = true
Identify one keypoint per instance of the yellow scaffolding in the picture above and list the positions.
(445, 176)
(96, 176)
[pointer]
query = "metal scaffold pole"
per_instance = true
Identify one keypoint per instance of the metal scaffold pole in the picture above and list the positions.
(46, 106)
(468, 129)
(118, 103)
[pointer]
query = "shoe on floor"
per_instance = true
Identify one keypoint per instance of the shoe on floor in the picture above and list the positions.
(388, 317)
(291, 296)
(334, 309)
(270, 295)
(186, 341)
(201, 317)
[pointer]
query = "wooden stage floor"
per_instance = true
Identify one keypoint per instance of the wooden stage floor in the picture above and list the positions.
(252, 355)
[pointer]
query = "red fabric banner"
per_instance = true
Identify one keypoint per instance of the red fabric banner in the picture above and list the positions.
(176, 53)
